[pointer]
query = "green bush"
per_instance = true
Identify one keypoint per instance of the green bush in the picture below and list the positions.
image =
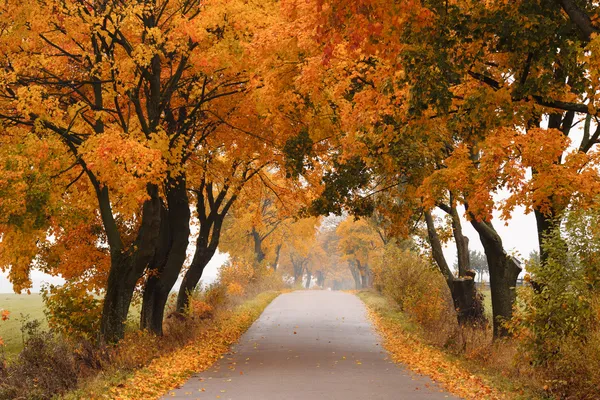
(557, 318)
(72, 311)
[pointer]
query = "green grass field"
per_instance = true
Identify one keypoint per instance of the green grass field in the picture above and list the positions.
(487, 302)
(30, 306)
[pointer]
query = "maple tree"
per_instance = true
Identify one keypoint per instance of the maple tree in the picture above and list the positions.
(437, 98)
(257, 227)
(117, 118)
(358, 242)
(122, 90)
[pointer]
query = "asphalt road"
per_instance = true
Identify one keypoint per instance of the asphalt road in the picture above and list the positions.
(309, 345)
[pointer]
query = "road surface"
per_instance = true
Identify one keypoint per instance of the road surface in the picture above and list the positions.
(309, 345)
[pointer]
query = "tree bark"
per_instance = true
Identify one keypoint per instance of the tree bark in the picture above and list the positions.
(436, 249)
(298, 273)
(171, 255)
(355, 274)
(363, 270)
(320, 278)
(503, 270)
(258, 251)
(211, 223)
(308, 278)
(466, 301)
(578, 17)
(127, 266)
(204, 253)
(277, 254)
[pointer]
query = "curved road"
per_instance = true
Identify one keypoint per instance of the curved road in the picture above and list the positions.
(309, 345)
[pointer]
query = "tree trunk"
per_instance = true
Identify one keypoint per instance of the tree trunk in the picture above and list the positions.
(355, 274)
(364, 274)
(277, 254)
(298, 269)
(546, 222)
(503, 270)
(545, 225)
(193, 276)
(258, 251)
(320, 278)
(462, 244)
(128, 266)
(467, 303)
(169, 262)
(208, 239)
(436, 249)
(117, 299)
(308, 278)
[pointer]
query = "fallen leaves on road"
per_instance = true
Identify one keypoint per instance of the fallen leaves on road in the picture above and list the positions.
(426, 360)
(172, 370)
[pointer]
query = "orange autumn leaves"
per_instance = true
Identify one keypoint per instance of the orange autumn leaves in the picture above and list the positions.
(3, 316)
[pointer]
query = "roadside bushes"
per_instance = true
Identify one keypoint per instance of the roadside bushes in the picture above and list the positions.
(68, 357)
(72, 311)
(45, 367)
(554, 347)
(419, 289)
(240, 278)
(557, 319)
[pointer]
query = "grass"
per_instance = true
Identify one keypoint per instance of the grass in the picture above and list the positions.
(487, 302)
(22, 307)
(459, 375)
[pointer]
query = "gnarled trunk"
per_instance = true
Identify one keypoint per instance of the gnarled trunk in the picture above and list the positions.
(277, 254)
(127, 266)
(364, 272)
(211, 223)
(466, 301)
(170, 256)
(259, 254)
(504, 271)
(203, 255)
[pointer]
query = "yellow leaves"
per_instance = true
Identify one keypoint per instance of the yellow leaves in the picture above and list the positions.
(125, 163)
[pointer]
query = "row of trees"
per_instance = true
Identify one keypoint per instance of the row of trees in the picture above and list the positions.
(118, 117)
(443, 104)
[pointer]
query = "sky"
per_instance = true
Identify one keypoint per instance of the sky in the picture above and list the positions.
(39, 278)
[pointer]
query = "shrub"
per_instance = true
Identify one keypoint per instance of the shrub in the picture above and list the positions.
(557, 320)
(72, 311)
(419, 290)
(45, 367)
